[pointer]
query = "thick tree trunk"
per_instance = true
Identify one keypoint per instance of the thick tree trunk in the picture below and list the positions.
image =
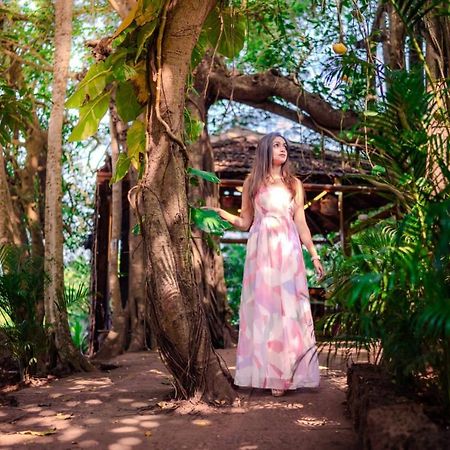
(178, 316)
(9, 222)
(55, 309)
(115, 342)
(32, 192)
(32, 187)
(437, 40)
(396, 40)
(208, 265)
(137, 306)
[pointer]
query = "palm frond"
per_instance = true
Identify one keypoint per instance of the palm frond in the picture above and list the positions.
(414, 11)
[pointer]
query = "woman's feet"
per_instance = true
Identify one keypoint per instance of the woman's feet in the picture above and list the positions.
(278, 392)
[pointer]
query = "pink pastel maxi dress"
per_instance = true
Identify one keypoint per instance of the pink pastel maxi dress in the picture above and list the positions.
(276, 347)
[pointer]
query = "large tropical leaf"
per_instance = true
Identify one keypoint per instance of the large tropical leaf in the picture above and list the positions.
(90, 115)
(128, 107)
(225, 29)
(91, 86)
(209, 221)
(413, 11)
(136, 142)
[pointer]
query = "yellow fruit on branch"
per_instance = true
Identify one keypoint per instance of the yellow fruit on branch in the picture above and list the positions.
(339, 48)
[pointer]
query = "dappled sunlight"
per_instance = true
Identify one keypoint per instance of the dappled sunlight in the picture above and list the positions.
(70, 434)
(56, 395)
(98, 383)
(201, 422)
(134, 413)
(125, 400)
(93, 421)
(127, 429)
(15, 440)
(124, 443)
(93, 401)
(158, 372)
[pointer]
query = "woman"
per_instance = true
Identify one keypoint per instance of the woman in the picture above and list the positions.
(276, 347)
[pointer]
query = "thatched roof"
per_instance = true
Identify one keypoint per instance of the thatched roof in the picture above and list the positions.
(234, 152)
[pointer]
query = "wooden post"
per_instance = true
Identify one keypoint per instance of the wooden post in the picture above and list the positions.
(343, 226)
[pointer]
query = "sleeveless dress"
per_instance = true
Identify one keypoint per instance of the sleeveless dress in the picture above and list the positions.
(276, 347)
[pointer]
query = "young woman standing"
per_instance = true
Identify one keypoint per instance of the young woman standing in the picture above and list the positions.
(276, 347)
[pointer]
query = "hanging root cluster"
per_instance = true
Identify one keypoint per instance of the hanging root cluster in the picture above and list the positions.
(188, 371)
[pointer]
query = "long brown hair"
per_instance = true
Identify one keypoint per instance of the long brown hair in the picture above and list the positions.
(262, 166)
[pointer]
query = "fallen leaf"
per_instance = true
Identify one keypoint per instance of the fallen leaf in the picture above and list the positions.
(38, 433)
(62, 416)
(166, 405)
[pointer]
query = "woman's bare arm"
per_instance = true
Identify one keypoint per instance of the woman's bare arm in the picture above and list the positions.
(303, 229)
(245, 219)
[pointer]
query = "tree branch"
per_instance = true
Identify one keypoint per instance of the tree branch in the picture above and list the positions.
(284, 111)
(259, 89)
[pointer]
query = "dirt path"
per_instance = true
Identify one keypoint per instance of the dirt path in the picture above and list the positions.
(125, 409)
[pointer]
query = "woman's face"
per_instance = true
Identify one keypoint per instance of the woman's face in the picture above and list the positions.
(279, 151)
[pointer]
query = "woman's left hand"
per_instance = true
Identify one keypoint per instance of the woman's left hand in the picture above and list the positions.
(318, 268)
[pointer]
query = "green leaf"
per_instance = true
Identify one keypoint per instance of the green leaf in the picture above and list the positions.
(148, 11)
(192, 127)
(378, 170)
(209, 221)
(228, 26)
(117, 62)
(370, 113)
(122, 167)
(143, 35)
(136, 230)
(128, 107)
(91, 86)
(136, 142)
(90, 115)
(208, 176)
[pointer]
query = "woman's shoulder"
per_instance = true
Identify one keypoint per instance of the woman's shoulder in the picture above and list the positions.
(297, 183)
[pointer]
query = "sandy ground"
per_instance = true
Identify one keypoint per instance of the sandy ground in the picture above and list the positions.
(126, 408)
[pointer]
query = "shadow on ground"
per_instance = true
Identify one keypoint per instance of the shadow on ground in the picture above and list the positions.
(126, 409)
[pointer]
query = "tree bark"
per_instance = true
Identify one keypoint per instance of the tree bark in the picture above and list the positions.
(177, 314)
(55, 309)
(115, 342)
(208, 264)
(9, 222)
(33, 184)
(396, 40)
(437, 38)
(137, 306)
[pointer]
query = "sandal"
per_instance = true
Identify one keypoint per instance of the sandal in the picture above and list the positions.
(278, 392)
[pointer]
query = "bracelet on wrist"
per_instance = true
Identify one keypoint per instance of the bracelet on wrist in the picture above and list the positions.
(315, 258)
